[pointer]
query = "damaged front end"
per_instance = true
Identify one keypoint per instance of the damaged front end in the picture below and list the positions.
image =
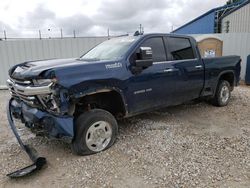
(44, 108)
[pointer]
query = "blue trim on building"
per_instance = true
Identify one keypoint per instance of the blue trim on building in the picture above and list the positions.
(193, 27)
(203, 25)
(247, 77)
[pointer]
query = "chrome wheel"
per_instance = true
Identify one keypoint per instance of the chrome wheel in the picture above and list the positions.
(98, 136)
(224, 94)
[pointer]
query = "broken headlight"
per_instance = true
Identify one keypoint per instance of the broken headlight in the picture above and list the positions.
(43, 82)
(49, 101)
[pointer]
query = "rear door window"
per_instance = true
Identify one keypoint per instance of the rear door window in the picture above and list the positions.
(180, 48)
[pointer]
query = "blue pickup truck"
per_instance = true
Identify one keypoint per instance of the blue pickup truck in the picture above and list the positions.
(80, 100)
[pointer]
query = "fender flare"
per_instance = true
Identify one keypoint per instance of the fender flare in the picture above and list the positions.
(219, 76)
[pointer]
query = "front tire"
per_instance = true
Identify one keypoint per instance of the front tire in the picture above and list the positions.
(96, 131)
(223, 94)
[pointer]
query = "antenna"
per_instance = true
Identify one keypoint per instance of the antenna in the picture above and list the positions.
(137, 33)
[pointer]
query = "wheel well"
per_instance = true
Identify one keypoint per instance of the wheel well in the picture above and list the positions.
(228, 77)
(110, 101)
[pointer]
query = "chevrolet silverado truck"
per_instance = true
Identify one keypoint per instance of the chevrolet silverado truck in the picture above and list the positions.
(80, 100)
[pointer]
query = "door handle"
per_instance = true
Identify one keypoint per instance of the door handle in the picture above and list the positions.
(199, 67)
(170, 70)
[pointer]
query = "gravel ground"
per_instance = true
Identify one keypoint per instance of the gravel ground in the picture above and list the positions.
(192, 145)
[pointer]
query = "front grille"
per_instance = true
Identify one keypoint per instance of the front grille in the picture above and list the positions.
(19, 93)
(22, 82)
(39, 96)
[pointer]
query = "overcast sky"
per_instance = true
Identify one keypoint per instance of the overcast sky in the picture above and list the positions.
(94, 17)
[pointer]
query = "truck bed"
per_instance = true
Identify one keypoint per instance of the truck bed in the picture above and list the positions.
(216, 66)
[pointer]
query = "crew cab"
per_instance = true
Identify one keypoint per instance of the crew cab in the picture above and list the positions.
(80, 99)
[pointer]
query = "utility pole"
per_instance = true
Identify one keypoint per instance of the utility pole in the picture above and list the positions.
(140, 28)
(74, 33)
(5, 36)
(40, 34)
(61, 33)
(49, 33)
(108, 34)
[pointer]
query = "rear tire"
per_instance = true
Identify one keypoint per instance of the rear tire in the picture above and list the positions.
(96, 131)
(222, 95)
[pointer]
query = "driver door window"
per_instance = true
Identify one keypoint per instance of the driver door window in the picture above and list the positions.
(158, 49)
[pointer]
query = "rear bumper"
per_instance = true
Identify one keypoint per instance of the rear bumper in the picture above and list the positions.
(59, 127)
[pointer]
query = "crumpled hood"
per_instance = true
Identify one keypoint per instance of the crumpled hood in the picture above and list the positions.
(34, 69)
(69, 72)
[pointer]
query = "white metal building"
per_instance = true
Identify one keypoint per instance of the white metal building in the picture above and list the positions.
(233, 44)
(237, 20)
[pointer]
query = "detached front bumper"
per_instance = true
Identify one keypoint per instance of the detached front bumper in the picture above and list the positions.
(43, 123)
(57, 127)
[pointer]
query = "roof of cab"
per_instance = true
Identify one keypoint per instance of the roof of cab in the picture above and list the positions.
(167, 34)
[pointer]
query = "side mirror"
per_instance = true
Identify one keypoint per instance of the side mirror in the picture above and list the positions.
(145, 58)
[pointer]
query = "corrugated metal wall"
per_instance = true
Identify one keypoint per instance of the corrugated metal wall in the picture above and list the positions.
(238, 21)
(203, 25)
(16, 51)
(233, 44)
(13, 52)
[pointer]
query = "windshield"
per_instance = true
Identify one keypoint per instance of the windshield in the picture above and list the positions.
(110, 49)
